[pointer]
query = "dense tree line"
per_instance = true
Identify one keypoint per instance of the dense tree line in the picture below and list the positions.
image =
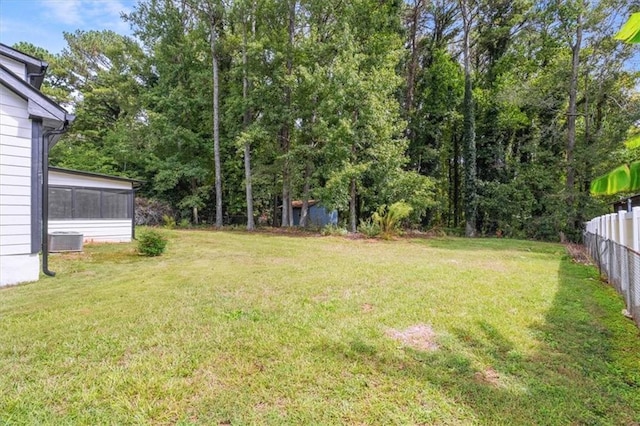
(488, 116)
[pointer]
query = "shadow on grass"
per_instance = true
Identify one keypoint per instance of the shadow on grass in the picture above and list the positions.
(585, 369)
(493, 244)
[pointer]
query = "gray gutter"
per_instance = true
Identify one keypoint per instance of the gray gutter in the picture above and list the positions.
(35, 67)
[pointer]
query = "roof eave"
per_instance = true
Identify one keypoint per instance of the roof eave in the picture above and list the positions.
(134, 182)
(39, 105)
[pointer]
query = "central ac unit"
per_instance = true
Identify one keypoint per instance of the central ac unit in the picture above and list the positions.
(65, 241)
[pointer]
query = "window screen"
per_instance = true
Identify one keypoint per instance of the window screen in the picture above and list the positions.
(115, 205)
(60, 205)
(87, 204)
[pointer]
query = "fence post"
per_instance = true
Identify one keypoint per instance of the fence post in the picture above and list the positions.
(635, 226)
(622, 225)
(622, 259)
(613, 230)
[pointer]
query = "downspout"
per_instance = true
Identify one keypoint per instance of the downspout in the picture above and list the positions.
(133, 213)
(47, 137)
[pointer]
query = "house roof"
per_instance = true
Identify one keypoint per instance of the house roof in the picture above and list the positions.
(36, 68)
(39, 105)
(135, 182)
(623, 204)
(297, 204)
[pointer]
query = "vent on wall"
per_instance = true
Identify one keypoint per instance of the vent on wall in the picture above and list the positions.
(65, 241)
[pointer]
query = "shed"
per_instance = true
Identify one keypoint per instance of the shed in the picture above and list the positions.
(318, 215)
(101, 207)
(30, 124)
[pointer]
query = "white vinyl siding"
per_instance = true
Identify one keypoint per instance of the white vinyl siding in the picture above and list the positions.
(15, 175)
(19, 269)
(18, 68)
(115, 231)
(68, 179)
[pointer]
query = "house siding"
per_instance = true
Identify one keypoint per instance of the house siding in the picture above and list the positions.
(17, 262)
(14, 66)
(36, 186)
(99, 231)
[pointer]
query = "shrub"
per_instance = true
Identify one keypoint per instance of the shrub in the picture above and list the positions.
(151, 243)
(389, 218)
(369, 228)
(331, 229)
(168, 222)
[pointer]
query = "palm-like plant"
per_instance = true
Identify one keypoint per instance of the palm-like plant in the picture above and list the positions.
(388, 219)
(630, 32)
(624, 178)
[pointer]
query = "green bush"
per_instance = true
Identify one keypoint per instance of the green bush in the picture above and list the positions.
(331, 229)
(168, 222)
(389, 218)
(151, 243)
(369, 228)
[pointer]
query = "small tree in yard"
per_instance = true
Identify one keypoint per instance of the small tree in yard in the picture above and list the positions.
(151, 243)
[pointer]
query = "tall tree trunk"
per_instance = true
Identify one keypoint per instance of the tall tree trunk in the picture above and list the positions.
(304, 213)
(571, 125)
(287, 209)
(246, 121)
(216, 123)
(286, 193)
(353, 215)
(194, 209)
(456, 181)
(469, 145)
(414, 17)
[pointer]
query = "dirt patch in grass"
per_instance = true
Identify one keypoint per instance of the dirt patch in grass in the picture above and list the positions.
(488, 376)
(419, 336)
(367, 307)
(578, 253)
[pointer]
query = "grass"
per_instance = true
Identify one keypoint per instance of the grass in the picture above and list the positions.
(237, 328)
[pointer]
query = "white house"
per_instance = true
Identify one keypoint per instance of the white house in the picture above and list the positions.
(100, 207)
(30, 124)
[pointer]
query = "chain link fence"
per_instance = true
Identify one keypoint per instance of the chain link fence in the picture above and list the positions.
(621, 266)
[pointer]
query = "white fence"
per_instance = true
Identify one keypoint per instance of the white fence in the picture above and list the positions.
(613, 242)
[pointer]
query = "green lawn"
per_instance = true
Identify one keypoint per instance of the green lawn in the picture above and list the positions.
(237, 328)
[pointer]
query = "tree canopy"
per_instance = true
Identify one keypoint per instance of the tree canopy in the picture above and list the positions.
(493, 117)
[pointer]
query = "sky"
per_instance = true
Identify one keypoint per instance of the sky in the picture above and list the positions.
(42, 22)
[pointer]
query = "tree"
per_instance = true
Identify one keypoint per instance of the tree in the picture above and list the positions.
(211, 11)
(468, 12)
(102, 74)
(487, 113)
(177, 103)
(56, 83)
(246, 116)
